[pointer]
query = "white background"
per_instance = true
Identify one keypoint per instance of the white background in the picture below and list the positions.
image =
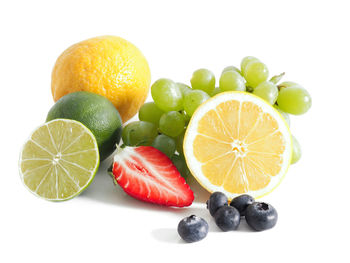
(309, 40)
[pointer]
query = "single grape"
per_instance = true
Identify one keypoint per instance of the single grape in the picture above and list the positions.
(231, 81)
(245, 61)
(181, 165)
(296, 151)
(139, 133)
(284, 114)
(179, 143)
(167, 95)
(203, 79)
(215, 91)
(172, 123)
(150, 112)
(184, 88)
(267, 91)
(255, 73)
(294, 100)
(165, 144)
(231, 68)
(193, 100)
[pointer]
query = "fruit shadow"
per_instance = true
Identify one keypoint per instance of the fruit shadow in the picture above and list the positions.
(170, 235)
(167, 235)
(104, 190)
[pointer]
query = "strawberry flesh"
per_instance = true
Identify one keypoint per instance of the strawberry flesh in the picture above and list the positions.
(147, 174)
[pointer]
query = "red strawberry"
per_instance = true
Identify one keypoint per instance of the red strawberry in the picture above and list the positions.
(149, 175)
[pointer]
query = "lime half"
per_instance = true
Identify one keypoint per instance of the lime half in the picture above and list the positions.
(59, 160)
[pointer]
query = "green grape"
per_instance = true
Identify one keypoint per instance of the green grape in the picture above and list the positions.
(181, 165)
(150, 112)
(284, 114)
(231, 68)
(193, 100)
(172, 123)
(267, 91)
(255, 73)
(184, 88)
(139, 133)
(179, 142)
(167, 95)
(165, 144)
(294, 100)
(215, 92)
(203, 79)
(245, 61)
(296, 151)
(231, 81)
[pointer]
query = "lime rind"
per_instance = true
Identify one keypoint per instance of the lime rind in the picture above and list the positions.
(93, 171)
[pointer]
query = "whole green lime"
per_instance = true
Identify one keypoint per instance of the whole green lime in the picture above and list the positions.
(94, 111)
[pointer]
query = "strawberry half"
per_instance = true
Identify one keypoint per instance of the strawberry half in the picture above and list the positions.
(149, 175)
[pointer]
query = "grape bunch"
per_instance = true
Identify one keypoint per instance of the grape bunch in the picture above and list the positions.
(162, 123)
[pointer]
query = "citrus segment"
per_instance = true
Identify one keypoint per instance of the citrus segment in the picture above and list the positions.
(59, 160)
(256, 176)
(234, 181)
(270, 164)
(229, 113)
(249, 115)
(207, 148)
(34, 176)
(273, 143)
(47, 186)
(212, 126)
(48, 145)
(237, 143)
(264, 126)
(216, 168)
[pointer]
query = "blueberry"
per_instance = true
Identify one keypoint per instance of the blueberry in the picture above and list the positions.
(261, 216)
(193, 228)
(227, 218)
(216, 200)
(241, 203)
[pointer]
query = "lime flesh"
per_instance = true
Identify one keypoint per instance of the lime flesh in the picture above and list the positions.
(59, 160)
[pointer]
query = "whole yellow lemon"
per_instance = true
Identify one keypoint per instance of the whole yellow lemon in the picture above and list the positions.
(108, 65)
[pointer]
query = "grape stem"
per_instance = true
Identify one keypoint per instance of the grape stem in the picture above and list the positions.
(110, 169)
(121, 146)
(277, 78)
(249, 89)
(280, 87)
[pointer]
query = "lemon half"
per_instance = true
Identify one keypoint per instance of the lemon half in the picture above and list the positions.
(237, 143)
